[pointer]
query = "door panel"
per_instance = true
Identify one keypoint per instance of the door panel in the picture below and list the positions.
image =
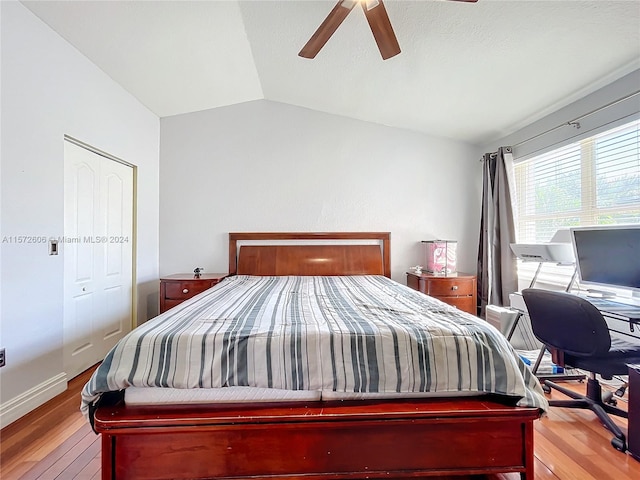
(115, 323)
(98, 256)
(81, 338)
(83, 202)
(115, 218)
(116, 198)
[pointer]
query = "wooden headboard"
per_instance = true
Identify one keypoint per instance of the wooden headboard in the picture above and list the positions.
(323, 255)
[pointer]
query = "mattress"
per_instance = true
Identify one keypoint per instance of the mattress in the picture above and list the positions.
(363, 334)
(156, 396)
(167, 396)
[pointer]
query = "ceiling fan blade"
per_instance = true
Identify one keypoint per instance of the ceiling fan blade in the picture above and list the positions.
(381, 28)
(327, 28)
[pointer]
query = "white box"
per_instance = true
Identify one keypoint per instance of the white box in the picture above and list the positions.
(501, 317)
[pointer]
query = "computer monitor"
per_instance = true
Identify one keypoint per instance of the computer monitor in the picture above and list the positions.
(608, 256)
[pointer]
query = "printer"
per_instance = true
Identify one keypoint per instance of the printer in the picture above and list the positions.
(559, 250)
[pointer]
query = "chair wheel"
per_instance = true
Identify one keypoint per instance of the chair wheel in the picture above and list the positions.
(546, 388)
(619, 444)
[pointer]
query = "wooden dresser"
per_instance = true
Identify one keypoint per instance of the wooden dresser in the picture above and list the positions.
(175, 289)
(457, 289)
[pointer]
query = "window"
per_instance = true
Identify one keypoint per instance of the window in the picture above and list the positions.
(595, 181)
(592, 182)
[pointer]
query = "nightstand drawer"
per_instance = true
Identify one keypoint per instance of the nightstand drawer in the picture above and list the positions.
(466, 304)
(184, 290)
(458, 290)
(169, 304)
(175, 289)
(450, 287)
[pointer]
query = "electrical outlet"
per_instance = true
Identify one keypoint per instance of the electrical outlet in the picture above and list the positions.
(3, 359)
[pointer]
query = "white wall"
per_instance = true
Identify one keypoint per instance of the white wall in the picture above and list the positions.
(267, 166)
(48, 90)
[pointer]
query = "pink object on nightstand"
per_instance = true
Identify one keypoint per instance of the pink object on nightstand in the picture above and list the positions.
(440, 256)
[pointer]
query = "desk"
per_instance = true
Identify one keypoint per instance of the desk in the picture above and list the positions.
(621, 318)
(633, 430)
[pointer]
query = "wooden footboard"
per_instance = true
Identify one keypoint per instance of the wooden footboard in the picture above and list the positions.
(318, 440)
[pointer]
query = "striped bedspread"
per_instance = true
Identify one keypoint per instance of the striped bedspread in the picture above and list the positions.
(342, 334)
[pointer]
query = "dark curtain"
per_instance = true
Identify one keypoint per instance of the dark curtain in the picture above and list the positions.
(497, 272)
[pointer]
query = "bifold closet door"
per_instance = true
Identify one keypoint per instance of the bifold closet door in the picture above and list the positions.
(98, 256)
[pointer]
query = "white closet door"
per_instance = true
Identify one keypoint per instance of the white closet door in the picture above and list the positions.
(98, 260)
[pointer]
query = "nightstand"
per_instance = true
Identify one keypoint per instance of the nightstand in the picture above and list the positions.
(175, 289)
(457, 289)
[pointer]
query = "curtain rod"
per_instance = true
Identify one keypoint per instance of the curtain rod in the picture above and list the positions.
(494, 154)
(576, 121)
(573, 123)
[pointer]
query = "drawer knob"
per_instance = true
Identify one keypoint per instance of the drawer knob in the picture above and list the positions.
(455, 287)
(185, 290)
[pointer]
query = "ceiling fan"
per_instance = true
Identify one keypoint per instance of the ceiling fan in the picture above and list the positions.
(378, 21)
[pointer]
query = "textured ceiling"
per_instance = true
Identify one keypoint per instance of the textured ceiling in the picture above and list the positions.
(474, 72)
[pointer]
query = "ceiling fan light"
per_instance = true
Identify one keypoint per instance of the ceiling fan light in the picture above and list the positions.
(369, 4)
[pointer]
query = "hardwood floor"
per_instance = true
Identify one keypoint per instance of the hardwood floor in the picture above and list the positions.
(56, 442)
(53, 441)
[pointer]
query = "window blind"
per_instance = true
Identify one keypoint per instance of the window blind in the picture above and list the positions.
(592, 182)
(595, 181)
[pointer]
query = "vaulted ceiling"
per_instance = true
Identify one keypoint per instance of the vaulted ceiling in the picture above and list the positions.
(474, 72)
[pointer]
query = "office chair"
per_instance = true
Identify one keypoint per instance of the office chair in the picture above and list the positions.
(579, 333)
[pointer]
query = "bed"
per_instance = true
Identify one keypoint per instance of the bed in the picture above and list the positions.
(375, 416)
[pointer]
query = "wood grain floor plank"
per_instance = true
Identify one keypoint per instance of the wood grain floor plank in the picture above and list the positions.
(542, 472)
(589, 461)
(56, 454)
(66, 460)
(17, 472)
(92, 468)
(563, 466)
(82, 461)
(44, 446)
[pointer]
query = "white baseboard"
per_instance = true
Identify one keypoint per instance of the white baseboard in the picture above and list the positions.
(19, 406)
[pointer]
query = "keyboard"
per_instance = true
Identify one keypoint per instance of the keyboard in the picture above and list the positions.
(618, 308)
